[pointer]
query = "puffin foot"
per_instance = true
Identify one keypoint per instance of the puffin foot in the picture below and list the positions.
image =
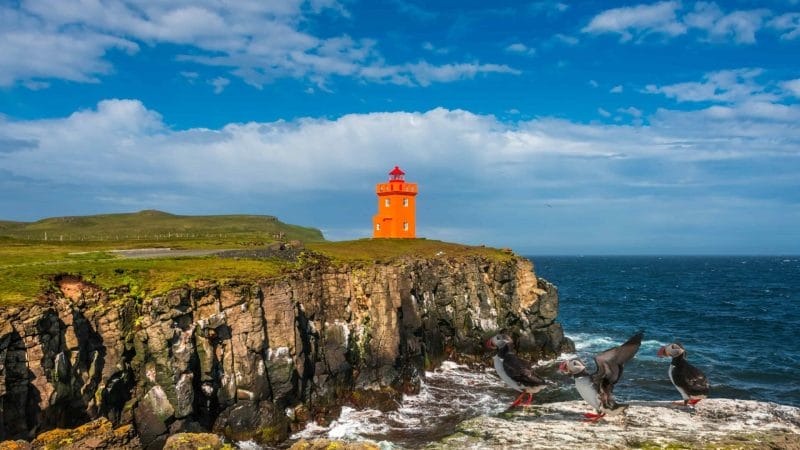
(694, 401)
(592, 417)
(530, 399)
(518, 400)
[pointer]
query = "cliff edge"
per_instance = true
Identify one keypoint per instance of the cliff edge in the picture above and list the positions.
(257, 360)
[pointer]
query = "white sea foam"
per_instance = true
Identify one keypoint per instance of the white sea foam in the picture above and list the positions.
(452, 391)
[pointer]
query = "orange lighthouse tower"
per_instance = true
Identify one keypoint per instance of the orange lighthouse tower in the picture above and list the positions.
(396, 216)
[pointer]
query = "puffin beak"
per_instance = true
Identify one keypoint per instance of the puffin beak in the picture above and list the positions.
(563, 367)
(662, 352)
(489, 343)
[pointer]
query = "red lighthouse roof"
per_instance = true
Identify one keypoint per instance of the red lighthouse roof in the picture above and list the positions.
(396, 175)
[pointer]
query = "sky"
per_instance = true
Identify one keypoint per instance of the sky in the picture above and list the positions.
(551, 127)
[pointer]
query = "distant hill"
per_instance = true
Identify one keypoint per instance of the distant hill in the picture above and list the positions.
(149, 224)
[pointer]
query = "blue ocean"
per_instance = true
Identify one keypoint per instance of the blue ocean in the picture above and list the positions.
(738, 317)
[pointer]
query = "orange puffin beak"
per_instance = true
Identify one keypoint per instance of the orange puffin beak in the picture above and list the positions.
(662, 352)
(489, 343)
(563, 367)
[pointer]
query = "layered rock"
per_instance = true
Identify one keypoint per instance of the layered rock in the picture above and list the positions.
(713, 423)
(234, 358)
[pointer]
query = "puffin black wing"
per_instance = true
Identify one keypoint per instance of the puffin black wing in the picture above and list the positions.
(521, 371)
(690, 378)
(610, 362)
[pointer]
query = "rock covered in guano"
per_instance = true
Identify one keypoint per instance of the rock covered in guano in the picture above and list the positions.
(713, 423)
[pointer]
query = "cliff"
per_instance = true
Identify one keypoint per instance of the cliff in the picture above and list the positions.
(235, 357)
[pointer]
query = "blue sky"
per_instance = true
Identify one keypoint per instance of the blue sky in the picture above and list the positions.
(552, 127)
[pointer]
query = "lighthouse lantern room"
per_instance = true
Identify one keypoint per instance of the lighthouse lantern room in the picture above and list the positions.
(396, 216)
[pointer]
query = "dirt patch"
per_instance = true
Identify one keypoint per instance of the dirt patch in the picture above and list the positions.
(73, 287)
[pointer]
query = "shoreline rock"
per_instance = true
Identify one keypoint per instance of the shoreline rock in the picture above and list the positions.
(713, 423)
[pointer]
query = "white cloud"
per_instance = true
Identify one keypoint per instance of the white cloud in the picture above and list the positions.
(121, 141)
(792, 86)
(632, 111)
(521, 49)
(729, 86)
(638, 21)
(517, 47)
(616, 89)
(738, 26)
(256, 41)
(566, 39)
(127, 157)
(789, 23)
(593, 83)
(668, 19)
(219, 84)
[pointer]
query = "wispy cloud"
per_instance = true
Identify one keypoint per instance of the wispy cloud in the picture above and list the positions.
(788, 24)
(520, 48)
(258, 42)
(668, 19)
(728, 86)
(638, 21)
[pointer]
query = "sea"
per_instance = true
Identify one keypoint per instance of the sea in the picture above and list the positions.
(737, 316)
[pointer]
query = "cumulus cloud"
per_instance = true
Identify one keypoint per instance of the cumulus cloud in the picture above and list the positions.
(122, 141)
(668, 19)
(123, 156)
(617, 89)
(256, 41)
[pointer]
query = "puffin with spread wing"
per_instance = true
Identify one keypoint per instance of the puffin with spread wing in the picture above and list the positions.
(597, 389)
(690, 381)
(515, 372)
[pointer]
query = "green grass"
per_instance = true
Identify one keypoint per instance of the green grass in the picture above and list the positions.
(157, 226)
(27, 267)
(368, 250)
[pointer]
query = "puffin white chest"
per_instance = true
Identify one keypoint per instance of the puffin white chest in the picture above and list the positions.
(672, 379)
(588, 393)
(498, 367)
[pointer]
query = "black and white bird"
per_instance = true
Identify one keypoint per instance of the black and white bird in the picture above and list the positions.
(514, 371)
(690, 381)
(597, 389)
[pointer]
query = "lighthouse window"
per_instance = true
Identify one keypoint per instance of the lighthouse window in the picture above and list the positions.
(405, 226)
(386, 202)
(377, 227)
(405, 202)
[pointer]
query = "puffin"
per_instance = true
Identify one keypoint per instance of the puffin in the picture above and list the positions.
(597, 388)
(690, 381)
(515, 372)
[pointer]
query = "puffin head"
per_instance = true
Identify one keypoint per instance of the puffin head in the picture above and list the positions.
(572, 367)
(671, 350)
(499, 341)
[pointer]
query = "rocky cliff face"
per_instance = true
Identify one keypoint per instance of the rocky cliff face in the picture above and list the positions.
(235, 358)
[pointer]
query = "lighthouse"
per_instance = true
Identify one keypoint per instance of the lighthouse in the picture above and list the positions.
(396, 216)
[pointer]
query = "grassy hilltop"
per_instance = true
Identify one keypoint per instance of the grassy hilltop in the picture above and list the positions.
(85, 246)
(151, 225)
